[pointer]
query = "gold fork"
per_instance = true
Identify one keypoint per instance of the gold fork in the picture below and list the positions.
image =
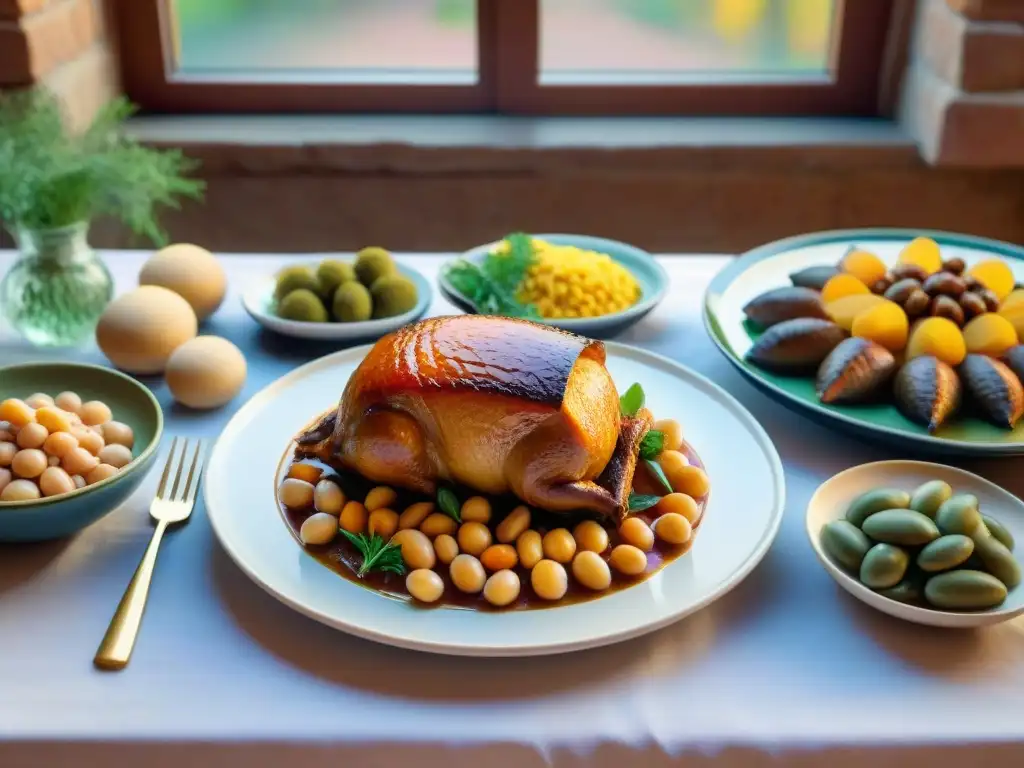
(168, 507)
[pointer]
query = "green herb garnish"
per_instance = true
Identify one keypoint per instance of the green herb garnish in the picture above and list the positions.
(632, 401)
(652, 444)
(659, 474)
(449, 504)
(491, 286)
(378, 555)
(639, 502)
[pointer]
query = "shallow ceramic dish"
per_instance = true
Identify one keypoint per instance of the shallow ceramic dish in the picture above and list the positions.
(651, 276)
(259, 303)
(741, 520)
(833, 497)
(770, 266)
(131, 402)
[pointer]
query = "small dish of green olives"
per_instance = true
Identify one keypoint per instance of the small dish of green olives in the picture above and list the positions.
(924, 542)
(337, 299)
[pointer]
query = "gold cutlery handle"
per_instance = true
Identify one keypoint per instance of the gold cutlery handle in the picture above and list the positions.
(116, 648)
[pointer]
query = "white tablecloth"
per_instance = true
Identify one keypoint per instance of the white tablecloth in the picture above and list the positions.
(787, 669)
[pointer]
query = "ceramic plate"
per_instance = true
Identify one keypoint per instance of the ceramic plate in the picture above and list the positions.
(770, 267)
(834, 496)
(259, 302)
(651, 276)
(740, 522)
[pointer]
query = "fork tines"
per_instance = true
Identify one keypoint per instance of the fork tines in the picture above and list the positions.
(176, 463)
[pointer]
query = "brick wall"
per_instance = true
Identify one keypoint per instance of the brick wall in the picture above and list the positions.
(64, 44)
(963, 95)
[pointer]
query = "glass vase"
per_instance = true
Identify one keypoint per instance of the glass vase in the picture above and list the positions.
(58, 287)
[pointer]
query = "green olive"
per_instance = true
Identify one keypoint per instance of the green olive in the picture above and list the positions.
(900, 526)
(998, 560)
(845, 542)
(966, 590)
(928, 497)
(999, 530)
(868, 503)
(884, 566)
(945, 552)
(959, 514)
(907, 591)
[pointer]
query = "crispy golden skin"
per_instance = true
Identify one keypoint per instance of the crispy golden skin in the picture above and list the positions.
(493, 403)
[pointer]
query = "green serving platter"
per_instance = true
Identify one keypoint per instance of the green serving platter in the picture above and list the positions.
(770, 266)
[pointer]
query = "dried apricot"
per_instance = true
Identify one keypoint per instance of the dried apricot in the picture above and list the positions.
(863, 265)
(924, 252)
(994, 274)
(1015, 314)
(884, 324)
(1015, 297)
(844, 310)
(990, 334)
(938, 337)
(842, 285)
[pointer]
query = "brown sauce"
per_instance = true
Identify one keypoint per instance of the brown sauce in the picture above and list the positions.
(344, 559)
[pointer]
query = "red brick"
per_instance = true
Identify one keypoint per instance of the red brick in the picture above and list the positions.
(50, 38)
(12, 9)
(993, 58)
(990, 10)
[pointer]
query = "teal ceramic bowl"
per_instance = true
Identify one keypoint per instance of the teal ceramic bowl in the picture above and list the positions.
(59, 516)
(651, 276)
(770, 266)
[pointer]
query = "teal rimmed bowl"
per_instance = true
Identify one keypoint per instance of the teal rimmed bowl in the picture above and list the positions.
(132, 403)
(651, 276)
(770, 266)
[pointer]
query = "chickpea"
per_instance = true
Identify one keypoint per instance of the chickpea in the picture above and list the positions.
(293, 493)
(327, 494)
(116, 432)
(673, 433)
(5, 478)
(54, 419)
(467, 574)
(79, 461)
(29, 462)
(55, 481)
(415, 514)
(32, 436)
(311, 474)
(559, 545)
(638, 533)
(446, 548)
(518, 520)
(499, 557)
(502, 588)
(353, 517)
(680, 504)
(549, 580)
(68, 401)
(474, 538)
(319, 528)
(383, 522)
(78, 480)
(424, 585)
(20, 490)
(530, 548)
(476, 509)
(437, 523)
(692, 481)
(591, 571)
(99, 473)
(90, 441)
(379, 497)
(38, 400)
(7, 451)
(629, 560)
(116, 456)
(590, 536)
(95, 412)
(672, 463)
(17, 413)
(417, 551)
(673, 528)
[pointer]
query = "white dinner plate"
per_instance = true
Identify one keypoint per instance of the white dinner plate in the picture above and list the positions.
(739, 524)
(833, 497)
(259, 303)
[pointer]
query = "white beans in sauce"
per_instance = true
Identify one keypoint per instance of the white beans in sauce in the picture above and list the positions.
(353, 517)
(467, 574)
(437, 523)
(425, 585)
(559, 545)
(681, 504)
(474, 538)
(530, 548)
(499, 557)
(673, 433)
(327, 494)
(590, 536)
(673, 528)
(628, 560)
(502, 588)
(638, 533)
(518, 520)
(446, 548)
(415, 514)
(379, 497)
(319, 528)
(417, 551)
(293, 493)
(590, 570)
(383, 522)
(549, 580)
(476, 509)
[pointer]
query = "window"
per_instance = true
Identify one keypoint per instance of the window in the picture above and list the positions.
(512, 56)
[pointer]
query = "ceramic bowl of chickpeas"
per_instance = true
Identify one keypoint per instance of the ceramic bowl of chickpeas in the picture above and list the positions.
(75, 441)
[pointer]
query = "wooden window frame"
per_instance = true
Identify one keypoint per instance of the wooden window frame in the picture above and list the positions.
(508, 33)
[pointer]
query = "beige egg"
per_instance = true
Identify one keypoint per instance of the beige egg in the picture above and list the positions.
(206, 372)
(191, 272)
(139, 330)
